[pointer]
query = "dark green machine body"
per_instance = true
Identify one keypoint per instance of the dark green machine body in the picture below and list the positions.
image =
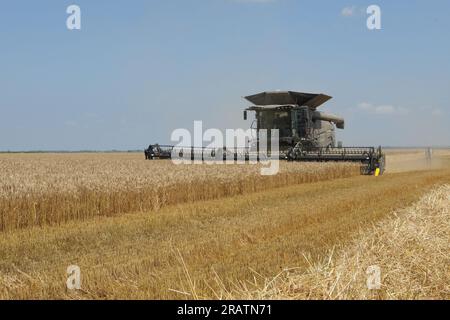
(295, 116)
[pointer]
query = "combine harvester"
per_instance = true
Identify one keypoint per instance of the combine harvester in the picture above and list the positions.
(305, 134)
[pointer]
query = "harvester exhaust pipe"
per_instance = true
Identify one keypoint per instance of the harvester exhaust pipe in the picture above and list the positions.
(338, 121)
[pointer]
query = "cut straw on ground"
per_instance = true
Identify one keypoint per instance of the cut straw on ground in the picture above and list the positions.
(411, 249)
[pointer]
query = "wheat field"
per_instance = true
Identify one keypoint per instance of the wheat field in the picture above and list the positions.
(45, 189)
(151, 230)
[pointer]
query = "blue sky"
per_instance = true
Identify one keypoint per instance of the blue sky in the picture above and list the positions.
(139, 69)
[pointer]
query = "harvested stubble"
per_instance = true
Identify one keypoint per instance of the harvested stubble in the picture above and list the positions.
(45, 189)
(411, 249)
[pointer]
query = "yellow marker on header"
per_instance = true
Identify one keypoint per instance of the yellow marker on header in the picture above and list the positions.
(377, 172)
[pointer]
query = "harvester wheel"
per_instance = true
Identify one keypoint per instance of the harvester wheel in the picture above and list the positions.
(290, 154)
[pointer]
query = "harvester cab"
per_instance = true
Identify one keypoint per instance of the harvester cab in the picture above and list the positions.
(156, 151)
(295, 116)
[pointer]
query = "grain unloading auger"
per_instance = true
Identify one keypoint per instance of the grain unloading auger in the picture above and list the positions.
(305, 134)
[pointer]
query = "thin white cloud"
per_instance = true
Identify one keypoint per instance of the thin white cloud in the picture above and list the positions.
(437, 112)
(386, 109)
(365, 106)
(70, 123)
(382, 109)
(348, 11)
